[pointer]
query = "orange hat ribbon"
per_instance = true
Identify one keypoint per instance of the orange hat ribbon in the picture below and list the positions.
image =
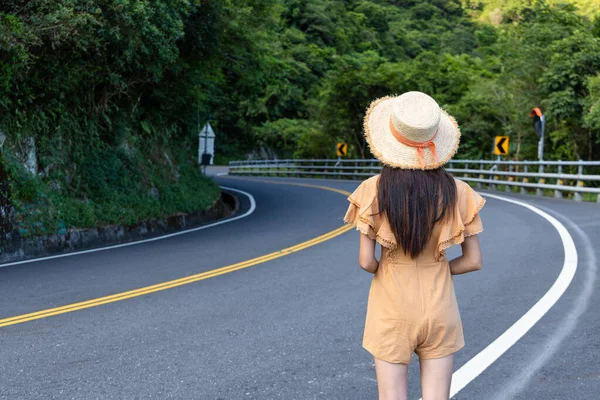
(420, 146)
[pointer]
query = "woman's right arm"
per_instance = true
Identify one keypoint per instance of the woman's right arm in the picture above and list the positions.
(470, 260)
(366, 255)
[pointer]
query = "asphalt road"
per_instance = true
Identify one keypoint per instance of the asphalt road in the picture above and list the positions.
(291, 328)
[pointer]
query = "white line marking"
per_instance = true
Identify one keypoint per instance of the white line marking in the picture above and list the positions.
(475, 366)
(565, 328)
(222, 173)
(116, 246)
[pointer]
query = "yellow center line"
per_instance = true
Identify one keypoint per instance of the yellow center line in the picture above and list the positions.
(340, 191)
(18, 319)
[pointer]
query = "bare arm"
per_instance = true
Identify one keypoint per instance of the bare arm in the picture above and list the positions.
(471, 257)
(366, 256)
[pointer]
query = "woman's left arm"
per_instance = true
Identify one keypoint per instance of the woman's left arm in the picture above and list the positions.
(366, 255)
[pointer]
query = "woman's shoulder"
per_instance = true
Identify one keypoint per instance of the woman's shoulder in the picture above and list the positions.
(461, 185)
(469, 201)
(463, 189)
(373, 180)
(369, 185)
(365, 194)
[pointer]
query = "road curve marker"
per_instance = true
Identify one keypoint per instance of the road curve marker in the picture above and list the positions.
(18, 319)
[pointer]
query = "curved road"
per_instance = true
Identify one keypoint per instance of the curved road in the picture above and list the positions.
(291, 327)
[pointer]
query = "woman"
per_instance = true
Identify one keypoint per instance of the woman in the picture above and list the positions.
(415, 210)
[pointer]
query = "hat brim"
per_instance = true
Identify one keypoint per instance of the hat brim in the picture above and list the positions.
(391, 152)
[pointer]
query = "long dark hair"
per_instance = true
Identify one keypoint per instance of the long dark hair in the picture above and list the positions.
(413, 202)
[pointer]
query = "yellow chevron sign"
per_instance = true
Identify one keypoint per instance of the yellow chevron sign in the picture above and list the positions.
(501, 145)
(341, 149)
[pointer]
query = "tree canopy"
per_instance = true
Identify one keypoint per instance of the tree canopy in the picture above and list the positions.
(294, 76)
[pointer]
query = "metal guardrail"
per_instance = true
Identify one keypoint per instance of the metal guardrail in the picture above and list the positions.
(545, 177)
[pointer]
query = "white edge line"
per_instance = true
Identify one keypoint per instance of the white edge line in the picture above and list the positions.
(116, 246)
(475, 366)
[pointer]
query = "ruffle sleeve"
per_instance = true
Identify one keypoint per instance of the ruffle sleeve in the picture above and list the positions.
(363, 213)
(466, 220)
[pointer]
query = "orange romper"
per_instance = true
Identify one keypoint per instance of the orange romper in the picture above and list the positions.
(412, 306)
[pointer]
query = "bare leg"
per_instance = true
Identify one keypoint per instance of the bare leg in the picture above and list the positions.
(436, 376)
(391, 380)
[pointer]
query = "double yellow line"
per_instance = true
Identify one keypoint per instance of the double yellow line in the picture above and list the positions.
(340, 191)
(186, 280)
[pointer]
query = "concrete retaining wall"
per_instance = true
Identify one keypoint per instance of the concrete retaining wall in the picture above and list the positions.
(13, 247)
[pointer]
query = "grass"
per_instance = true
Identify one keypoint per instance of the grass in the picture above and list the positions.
(590, 197)
(113, 194)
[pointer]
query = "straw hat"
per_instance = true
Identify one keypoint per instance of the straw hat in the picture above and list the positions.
(411, 132)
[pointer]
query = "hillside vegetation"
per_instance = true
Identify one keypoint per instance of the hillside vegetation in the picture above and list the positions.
(101, 100)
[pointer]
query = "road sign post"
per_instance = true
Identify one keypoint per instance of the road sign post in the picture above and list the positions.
(206, 146)
(541, 152)
(539, 125)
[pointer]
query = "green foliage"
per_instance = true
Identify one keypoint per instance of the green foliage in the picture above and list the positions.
(592, 104)
(109, 92)
(490, 76)
(116, 194)
(113, 91)
(575, 59)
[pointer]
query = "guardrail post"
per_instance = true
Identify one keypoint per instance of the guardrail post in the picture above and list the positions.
(508, 188)
(493, 178)
(336, 169)
(577, 196)
(540, 191)
(559, 182)
(479, 185)
(525, 179)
